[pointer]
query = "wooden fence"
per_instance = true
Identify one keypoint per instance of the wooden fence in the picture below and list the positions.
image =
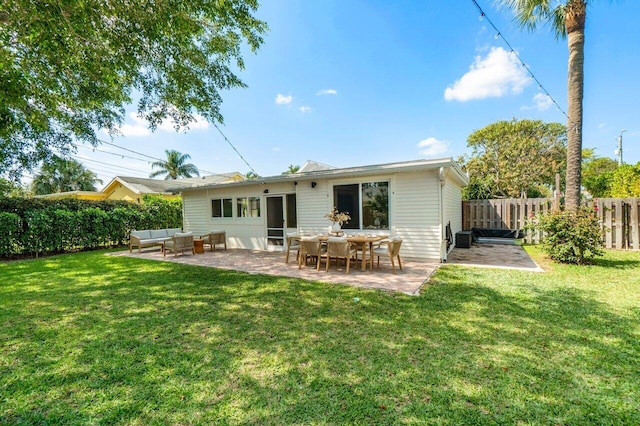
(619, 217)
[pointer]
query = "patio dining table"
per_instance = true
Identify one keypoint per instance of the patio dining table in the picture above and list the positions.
(363, 241)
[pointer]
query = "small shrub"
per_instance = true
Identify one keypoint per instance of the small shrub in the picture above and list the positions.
(570, 237)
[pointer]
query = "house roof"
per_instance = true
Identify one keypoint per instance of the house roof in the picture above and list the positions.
(374, 169)
(313, 166)
(157, 186)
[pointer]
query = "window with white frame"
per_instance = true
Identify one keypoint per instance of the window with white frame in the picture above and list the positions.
(248, 207)
(367, 204)
(222, 207)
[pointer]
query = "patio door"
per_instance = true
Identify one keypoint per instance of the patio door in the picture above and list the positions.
(275, 221)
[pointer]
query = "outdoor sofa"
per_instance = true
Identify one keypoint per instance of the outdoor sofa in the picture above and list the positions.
(150, 237)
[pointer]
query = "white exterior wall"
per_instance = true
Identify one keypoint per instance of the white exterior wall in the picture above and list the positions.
(242, 232)
(313, 204)
(416, 213)
(453, 207)
(414, 210)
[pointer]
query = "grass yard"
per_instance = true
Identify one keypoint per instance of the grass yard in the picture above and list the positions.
(94, 339)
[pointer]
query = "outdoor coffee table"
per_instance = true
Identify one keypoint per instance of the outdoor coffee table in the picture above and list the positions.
(198, 245)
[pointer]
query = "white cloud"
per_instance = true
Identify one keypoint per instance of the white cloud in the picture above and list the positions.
(431, 147)
(541, 102)
(134, 130)
(496, 75)
(140, 126)
(283, 100)
(275, 148)
(200, 123)
(327, 92)
(305, 109)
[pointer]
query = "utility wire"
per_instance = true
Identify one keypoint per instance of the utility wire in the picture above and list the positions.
(144, 155)
(499, 34)
(115, 166)
(115, 154)
(234, 148)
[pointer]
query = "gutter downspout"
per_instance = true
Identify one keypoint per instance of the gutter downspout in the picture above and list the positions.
(443, 250)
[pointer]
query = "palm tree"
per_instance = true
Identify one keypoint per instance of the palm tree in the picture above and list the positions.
(291, 169)
(62, 175)
(175, 167)
(567, 20)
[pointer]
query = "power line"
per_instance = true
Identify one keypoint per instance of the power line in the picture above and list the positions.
(234, 148)
(115, 154)
(499, 34)
(115, 166)
(145, 155)
(130, 150)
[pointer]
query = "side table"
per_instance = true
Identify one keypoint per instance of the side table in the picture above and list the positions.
(198, 245)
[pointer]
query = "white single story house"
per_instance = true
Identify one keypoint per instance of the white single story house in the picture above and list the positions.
(419, 201)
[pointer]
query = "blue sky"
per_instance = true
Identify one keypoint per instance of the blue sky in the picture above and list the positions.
(365, 82)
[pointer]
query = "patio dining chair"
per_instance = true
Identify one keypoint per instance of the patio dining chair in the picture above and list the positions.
(390, 249)
(309, 248)
(338, 248)
(293, 243)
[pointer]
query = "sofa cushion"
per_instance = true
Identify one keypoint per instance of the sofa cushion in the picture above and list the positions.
(143, 235)
(183, 234)
(152, 241)
(172, 231)
(158, 233)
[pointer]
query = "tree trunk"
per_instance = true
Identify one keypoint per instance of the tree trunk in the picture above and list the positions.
(575, 22)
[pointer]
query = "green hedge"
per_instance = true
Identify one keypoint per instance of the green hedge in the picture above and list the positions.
(36, 226)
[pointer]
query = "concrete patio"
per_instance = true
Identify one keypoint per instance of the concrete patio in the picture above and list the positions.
(501, 256)
(409, 280)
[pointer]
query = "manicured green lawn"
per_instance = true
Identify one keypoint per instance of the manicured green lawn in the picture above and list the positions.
(95, 339)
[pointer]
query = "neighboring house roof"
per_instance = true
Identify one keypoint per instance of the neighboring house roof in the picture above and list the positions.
(157, 186)
(313, 166)
(461, 176)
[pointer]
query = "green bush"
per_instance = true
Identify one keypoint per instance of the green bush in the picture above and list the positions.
(570, 237)
(38, 226)
(10, 225)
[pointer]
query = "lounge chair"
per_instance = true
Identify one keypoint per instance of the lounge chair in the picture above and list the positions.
(179, 243)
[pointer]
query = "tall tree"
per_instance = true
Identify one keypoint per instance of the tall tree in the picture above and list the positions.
(68, 69)
(597, 173)
(625, 181)
(175, 167)
(567, 18)
(11, 189)
(515, 158)
(63, 175)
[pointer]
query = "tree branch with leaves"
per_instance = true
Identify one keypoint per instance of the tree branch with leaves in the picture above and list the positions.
(68, 69)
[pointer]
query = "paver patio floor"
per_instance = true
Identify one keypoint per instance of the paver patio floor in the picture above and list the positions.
(409, 280)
